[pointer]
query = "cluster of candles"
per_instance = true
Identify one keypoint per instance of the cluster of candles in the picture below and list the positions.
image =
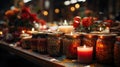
(84, 52)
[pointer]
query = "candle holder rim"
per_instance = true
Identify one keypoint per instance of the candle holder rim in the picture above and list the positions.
(107, 35)
(86, 46)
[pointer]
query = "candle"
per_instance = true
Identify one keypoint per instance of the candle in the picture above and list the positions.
(70, 44)
(90, 40)
(33, 29)
(54, 44)
(85, 54)
(1, 32)
(100, 29)
(107, 30)
(24, 34)
(65, 23)
(104, 48)
(66, 29)
(23, 31)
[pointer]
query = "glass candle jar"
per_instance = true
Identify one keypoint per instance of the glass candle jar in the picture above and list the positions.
(105, 48)
(117, 52)
(70, 44)
(33, 44)
(25, 42)
(90, 40)
(42, 42)
(54, 47)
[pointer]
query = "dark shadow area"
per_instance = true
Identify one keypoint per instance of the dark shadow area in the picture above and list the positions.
(8, 59)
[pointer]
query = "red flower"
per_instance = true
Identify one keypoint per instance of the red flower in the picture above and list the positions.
(108, 22)
(76, 21)
(25, 16)
(33, 17)
(87, 21)
(43, 22)
(77, 18)
(76, 24)
(26, 10)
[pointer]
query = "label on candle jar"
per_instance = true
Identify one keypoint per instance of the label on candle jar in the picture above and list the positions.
(85, 54)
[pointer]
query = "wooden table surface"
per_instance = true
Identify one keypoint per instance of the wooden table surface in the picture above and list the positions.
(45, 60)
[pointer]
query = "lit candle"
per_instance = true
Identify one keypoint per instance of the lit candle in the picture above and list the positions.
(23, 31)
(1, 32)
(65, 28)
(70, 44)
(100, 29)
(107, 30)
(65, 23)
(33, 29)
(85, 54)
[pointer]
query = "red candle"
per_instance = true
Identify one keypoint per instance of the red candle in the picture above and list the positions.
(85, 54)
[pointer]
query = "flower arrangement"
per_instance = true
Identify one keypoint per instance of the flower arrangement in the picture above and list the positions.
(23, 18)
(27, 15)
(85, 24)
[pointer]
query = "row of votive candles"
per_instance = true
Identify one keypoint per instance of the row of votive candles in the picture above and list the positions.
(98, 46)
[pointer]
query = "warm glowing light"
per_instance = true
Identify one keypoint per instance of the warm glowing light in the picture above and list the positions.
(23, 31)
(77, 6)
(67, 3)
(71, 33)
(73, 1)
(72, 9)
(44, 26)
(65, 23)
(81, 0)
(101, 45)
(45, 13)
(107, 29)
(1, 32)
(33, 29)
(84, 46)
(90, 36)
(57, 10)
(49, 30)
(25, 1)
(100, 29)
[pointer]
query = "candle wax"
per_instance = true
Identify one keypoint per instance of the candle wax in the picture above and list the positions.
(85, 54)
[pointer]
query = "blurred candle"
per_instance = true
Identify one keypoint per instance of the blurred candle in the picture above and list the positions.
(23, 31)
(65, 28)
(107, 30)
(85, 54)
(33, 29)
(1, 32)
(100, 29)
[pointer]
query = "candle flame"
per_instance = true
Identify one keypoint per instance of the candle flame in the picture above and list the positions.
(107, 28)
(44, 26)
(1, 32)
(71, 33)
(84, 46)
(23, 31)
(49, 30)
(100, 29)
(65, 23)
(33, 29)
